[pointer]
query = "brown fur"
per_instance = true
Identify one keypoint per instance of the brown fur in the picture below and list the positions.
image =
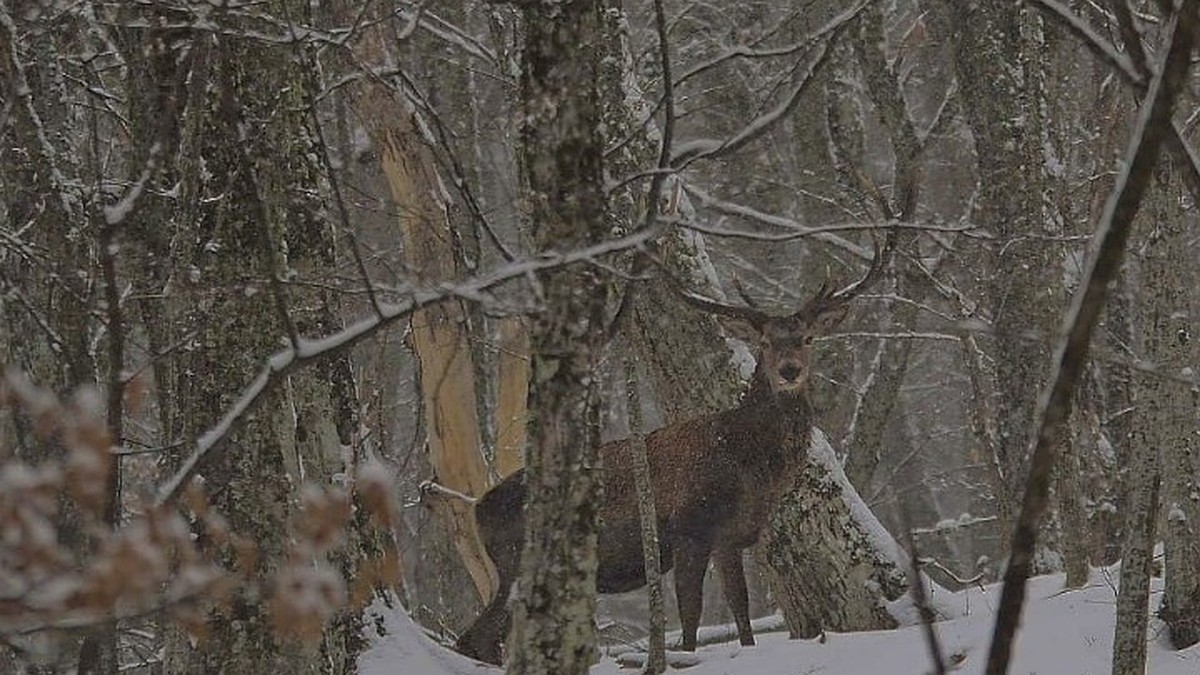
(716, 480)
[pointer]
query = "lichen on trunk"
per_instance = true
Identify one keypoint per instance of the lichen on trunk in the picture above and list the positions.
(833, 565)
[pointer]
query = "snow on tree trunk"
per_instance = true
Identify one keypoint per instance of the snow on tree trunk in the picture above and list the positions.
(553, 629)
(833, 565)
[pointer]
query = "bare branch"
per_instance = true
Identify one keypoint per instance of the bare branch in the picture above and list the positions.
(1152, 128)
(308, 352)
(733, 209)
(1183, 153)
(757, 127)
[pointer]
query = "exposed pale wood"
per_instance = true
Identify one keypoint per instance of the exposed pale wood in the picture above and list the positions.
(512, 413)
(439, 334)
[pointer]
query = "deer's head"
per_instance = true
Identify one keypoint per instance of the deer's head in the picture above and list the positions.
(782, 345)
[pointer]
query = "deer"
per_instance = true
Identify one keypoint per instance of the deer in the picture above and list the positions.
(716, 478)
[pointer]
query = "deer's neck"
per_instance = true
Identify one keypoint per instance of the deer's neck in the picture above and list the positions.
(783, 422)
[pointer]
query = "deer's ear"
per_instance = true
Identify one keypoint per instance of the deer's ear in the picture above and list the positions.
(830, 319)
(741, 329)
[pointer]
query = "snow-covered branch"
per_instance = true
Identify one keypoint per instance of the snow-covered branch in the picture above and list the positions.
(732, 209)
(309, 351)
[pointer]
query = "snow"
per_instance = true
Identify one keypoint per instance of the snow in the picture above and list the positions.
(821, 452)
(1062, 633)
(406, 648)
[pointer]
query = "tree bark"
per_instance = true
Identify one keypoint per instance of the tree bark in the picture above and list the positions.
(553, 630)
(997, 57)
(1170, 418)
(835, 566)
(233, 300)
(48, 283)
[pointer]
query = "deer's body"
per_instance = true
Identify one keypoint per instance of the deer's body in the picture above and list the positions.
(750, 455)
(716, 479)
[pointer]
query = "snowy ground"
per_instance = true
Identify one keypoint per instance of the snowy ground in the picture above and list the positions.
(1063, 633)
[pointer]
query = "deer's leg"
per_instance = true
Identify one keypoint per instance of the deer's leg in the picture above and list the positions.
(691, 562)
(733, 586)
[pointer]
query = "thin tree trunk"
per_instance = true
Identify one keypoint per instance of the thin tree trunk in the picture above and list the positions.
(656, 661)
(1137, 551)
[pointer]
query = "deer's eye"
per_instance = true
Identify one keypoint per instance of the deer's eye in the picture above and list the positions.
(808, 339)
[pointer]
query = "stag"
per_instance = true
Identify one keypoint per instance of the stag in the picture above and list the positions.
(716, 478)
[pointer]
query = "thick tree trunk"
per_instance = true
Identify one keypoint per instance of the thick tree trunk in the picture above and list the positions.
(553, 630)
(1143, 474)
(439, 335)
(835, 565)
(247, 229)
(997, 57)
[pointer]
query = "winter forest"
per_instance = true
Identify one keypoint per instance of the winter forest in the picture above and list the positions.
(590, 336)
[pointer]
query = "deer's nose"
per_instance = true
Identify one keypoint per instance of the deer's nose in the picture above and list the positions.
(789, 373)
